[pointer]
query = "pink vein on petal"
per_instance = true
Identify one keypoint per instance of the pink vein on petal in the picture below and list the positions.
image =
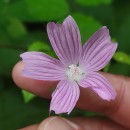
(42, 67)
(99, 37)
(101, 59)
(74, 61)
(65, 89)
(65, 40)
(99, 85)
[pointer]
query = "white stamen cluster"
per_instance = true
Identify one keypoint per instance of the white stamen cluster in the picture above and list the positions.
(74, 72)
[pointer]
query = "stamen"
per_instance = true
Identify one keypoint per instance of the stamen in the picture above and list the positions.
(74, 73)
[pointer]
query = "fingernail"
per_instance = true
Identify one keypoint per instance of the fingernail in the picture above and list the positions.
(58, 123)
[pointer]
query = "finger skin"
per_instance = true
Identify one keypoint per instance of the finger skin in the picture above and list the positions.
(118, 109)
(54, 123)
(97, 123)
(91, 123)
(31, 127)
(38, 87)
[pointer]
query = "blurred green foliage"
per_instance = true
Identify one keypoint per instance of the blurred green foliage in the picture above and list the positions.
(122, 57)
(23, 28)
(93, 2)
(27, 96)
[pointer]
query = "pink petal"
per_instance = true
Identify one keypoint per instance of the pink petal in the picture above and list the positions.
(65, 40)
(99, 85)
(65, 97)
(97, 46)
(100, 57)
(42, 67)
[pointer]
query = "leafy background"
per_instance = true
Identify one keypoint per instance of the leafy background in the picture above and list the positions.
(23, 27)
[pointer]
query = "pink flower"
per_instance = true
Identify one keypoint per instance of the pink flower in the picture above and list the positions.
(76, 67)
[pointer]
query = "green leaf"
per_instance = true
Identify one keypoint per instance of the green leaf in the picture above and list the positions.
(15, 28)
(9, 57)
(3, 31)
(40, 10)
(47, 9)
(27, 96)
(122, 34)
(18, 9)
(1, 85)
(90, 114)
(122, 57)
(107, 67)
(120, 68)
(39, 46)
(2, 5)
(13, 109)
(93, 2)
(87, 25)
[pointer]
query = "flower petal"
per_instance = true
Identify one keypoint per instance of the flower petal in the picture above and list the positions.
(42, 67)
(65, 97)
(98, 48)
(99, 85)
(97, 60)
(97, 38)
(65, 40)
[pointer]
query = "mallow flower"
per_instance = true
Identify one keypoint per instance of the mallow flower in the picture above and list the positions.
(75, 67)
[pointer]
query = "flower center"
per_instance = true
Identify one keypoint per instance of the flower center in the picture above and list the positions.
(74, 72)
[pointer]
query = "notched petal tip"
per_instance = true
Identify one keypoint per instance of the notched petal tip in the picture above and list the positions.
(104, 27)
(113, 97)
(22, 55)
(115, 45)
(50, 24)
(27, 54)
(105, 94)
(41, 66)
(99, 85)
(69, 17)
(69, 21)
(65, 40)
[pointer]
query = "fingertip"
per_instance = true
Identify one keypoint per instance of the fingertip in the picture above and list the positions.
(58, 123)
(16, 74)
(21, 81)
(38, 87)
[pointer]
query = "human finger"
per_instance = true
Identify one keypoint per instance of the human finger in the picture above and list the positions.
(54, 123)
(31, 127)
(79, 123)
(38, 87)
(118, 110)
(97, 123)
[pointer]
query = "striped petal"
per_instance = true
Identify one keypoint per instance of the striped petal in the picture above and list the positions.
(42, 67)
(65, 40)
(99, 85)
(98, 50)
(100, 57)
(65, 97)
